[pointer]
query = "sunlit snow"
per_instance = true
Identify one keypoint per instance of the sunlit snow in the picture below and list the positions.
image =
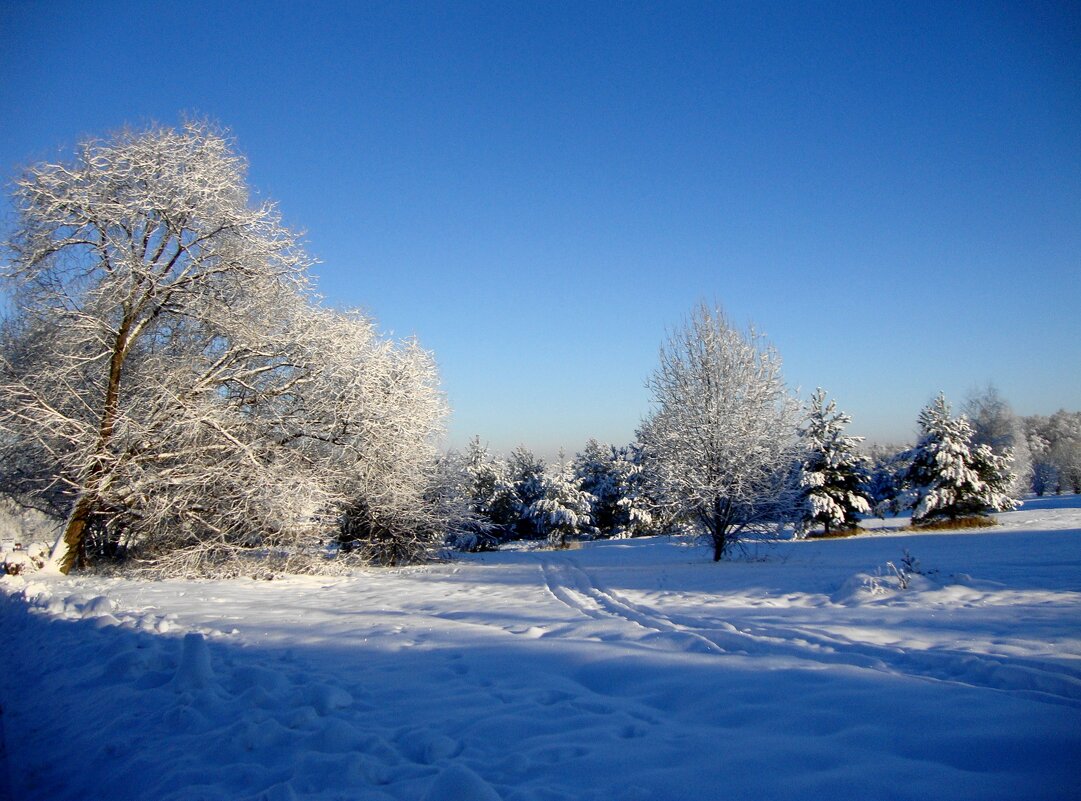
(632, 669)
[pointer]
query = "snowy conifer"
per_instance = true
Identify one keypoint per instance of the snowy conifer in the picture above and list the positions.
(949, 477)
(492, 493)
(889, 464)
(525, 475)
(833, 475)
(636, 509)
(563, 511)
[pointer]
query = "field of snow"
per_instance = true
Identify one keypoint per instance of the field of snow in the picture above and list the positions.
(622, 670)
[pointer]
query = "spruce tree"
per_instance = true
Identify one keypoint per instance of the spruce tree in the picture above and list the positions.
(948, 476)
(492, 495)
(563, 511)
(833, 475)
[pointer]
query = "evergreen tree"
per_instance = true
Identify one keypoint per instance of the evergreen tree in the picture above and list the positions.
(622, 507)
(491, 495)
(833, 475)
(525, 477)
(884, 483)
(596, 468)
(563, 511)
(636, 509)
(949, 477)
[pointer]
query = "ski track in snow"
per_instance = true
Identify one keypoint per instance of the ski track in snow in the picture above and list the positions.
(573, 586)
(610, 672)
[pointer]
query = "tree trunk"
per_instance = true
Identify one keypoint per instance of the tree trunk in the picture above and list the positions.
(718, 545)
(719, 530)
(73, 540)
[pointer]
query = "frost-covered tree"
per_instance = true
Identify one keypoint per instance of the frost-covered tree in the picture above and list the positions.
(492, 494)
(526, 474)
(948, 476)
(884, 482)
(168, 382)
(563, 511)
(636, 509)
(614, 477)
(721, 438)
(994, 424)
(833, 474)
(595, 468)
(1063, 435)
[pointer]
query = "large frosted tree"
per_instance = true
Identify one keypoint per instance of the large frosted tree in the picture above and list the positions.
(169, 384)
(722, 436)
(949, 476)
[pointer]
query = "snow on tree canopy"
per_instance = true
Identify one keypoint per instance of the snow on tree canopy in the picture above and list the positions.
(948, 477)
(833, 475)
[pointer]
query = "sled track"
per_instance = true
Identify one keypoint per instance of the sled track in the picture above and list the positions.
(574, 587)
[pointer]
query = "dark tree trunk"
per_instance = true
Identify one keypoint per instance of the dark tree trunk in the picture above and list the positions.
(74, 537)
(718, 546)
(718, 526)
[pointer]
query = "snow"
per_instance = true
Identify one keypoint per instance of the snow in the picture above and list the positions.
(624, 669)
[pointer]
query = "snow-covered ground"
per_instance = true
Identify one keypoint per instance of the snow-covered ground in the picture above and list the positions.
(622, 670)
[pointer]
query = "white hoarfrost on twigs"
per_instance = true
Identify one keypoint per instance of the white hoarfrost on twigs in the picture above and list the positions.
(722, 433)
(906, 665)
(171, 389)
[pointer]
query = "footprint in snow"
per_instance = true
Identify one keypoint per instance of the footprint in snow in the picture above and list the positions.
(458, 782)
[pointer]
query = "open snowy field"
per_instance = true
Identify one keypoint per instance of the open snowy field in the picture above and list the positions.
(621, 670)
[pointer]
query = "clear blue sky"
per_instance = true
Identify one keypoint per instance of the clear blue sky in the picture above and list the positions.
(891, 192)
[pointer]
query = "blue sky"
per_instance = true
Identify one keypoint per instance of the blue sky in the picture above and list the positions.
(891, 192)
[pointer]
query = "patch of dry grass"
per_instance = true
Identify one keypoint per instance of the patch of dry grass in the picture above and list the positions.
(946, 524)
(837, 533)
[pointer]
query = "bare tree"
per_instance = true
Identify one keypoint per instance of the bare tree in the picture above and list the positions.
(171, 383)
(722, 438)
(995, 425)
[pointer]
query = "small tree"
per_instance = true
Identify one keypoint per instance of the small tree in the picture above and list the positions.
(948, 477)
(884, 482)
(995, 425)
(564, 509)
(635, 513)
(491, 492)
(595, 469)
(722, 435)
(833, 475)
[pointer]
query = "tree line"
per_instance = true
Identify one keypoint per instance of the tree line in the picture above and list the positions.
(728, 452)
(178, 398)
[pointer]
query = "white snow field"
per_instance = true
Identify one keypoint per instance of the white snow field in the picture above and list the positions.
(623, 670)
